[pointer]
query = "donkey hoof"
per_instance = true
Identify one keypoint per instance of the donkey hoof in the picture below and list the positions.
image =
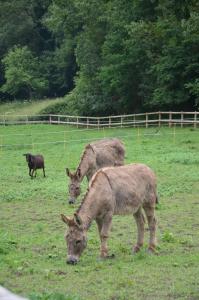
(136, 249)
(103, 257)
(152, 251)
(111, 256)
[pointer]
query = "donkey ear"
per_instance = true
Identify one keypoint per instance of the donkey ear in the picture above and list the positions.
(78, 173)
(67, 220)
(77, 220)
(68, 173)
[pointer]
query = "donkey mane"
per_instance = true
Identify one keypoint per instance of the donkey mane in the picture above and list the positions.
(83, 200)
(84, 154)
(88, 189)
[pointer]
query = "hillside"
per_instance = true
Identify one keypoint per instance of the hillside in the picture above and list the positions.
(29, 107)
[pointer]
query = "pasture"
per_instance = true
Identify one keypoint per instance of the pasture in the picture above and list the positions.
(32, 245)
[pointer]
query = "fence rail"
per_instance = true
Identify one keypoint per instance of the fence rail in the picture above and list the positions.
(142, 119)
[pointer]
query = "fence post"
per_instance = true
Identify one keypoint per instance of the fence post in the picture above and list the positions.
(77, 121)
(64, 140)
(26, 119)
(4, 120)
(98, 123)
(138, 134)
(109, 122)
(134, 120)
(58, 119)
(195, 119)
(121, 122)
(174, 133)
(170, 119)
(50, 120)
(1, 145)
(32, 142)
(159, 119)
(147, 117)
(87, 123)
(182, 118)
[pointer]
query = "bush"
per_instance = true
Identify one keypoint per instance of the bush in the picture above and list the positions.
(64, 107)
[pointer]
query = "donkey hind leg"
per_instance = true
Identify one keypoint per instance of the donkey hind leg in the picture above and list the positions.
(44, 172)
(139, 218)
(104, 226)
(152, 222)
(30, 172)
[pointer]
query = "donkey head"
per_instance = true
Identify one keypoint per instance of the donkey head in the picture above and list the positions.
(75, 238)
(28, 157)
(74, 185)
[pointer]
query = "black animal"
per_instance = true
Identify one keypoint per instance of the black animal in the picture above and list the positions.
(35, 162)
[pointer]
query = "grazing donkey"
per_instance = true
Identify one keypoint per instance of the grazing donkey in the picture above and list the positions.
(35, 162)
(99, 154)
(112, 191)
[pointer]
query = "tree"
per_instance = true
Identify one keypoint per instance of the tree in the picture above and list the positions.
(119, 56)
(23, 74)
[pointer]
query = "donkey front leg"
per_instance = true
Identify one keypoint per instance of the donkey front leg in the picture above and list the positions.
(139, 218)
(44, 172)
(33, 170)
(104, 226)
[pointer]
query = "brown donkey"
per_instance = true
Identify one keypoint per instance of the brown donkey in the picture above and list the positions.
(114, 190)
(99, 154)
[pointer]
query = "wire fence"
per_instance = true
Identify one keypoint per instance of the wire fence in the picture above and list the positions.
(30, 140)
(135, 133)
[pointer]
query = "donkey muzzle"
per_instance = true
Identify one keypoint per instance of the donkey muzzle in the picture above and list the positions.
(72, 261)
(71, 200)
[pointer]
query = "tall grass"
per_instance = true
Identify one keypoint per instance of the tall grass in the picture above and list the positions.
(27, 107)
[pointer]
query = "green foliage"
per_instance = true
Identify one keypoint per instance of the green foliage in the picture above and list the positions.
(135, 56)
(16, 24)
(65, 107)
(111, 56)
(22, 24)
(8, 244)
(87, 98)
(168, 237)
(53, 296)
(194, 89)
(58, 67)
(22, 72)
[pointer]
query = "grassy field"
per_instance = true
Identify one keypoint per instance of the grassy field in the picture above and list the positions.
(32, 246)
(26, 107)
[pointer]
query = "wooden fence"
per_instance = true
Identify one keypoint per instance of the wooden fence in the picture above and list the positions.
(131, 120)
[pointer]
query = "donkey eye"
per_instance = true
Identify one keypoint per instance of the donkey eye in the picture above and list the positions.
(78, 242)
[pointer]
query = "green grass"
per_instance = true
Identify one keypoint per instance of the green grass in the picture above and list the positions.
(26, 107)
(32, 246)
